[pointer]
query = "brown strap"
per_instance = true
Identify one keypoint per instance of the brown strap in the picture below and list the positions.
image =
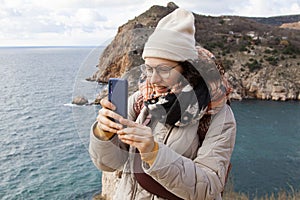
(148, 183)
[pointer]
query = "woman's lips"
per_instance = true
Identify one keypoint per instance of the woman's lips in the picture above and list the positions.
(161, 89)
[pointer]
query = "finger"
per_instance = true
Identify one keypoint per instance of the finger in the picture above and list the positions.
(144, 132)
(126, 141)
(138, 145)
(107, 104)
(107, 128)
(132, 140)
(106, 121)
(129, 131)
(108, 113)
(134, 134)
(130, 123)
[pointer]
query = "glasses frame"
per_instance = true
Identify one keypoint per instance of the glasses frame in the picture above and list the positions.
(157, 70)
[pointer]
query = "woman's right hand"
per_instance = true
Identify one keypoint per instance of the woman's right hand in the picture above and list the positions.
(105, 116)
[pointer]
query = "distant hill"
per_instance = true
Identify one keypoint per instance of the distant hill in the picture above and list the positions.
(262, 60)
(232, 33)
(277, 20)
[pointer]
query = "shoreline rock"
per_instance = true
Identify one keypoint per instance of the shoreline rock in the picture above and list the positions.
(80, 100)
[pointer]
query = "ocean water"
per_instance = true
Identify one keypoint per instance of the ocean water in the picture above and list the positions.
(44, 139)
(266, 158)
(42, 155)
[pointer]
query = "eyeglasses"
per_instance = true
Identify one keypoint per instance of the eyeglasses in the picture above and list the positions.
(162, 70)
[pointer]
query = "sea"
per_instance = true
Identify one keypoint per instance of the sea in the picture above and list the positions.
(44, 137)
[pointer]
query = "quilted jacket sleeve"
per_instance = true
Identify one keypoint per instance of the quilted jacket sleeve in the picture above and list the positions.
(110, 155)
(107, 155)
(203, 177)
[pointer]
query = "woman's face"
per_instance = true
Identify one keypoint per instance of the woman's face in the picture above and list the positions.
(162, 85)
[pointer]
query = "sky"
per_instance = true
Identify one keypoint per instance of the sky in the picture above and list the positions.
(94, 22)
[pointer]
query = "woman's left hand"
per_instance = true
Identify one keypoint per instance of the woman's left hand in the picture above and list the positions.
(137, 135)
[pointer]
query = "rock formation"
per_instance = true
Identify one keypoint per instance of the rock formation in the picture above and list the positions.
(80, 100)
(294, 25)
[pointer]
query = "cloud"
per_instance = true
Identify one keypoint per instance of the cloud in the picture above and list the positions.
(29, 21)
(59, 4)
(258, 8)
(293, 8)
(214, 8)
(85, 22)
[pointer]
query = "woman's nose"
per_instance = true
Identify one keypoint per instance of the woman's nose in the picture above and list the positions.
(155, 78)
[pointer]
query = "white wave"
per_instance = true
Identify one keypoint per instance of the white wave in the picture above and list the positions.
(71, 105)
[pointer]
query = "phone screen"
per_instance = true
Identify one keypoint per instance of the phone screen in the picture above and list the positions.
(118, 95)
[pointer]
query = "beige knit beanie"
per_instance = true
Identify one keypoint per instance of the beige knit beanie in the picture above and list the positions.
(173, 38)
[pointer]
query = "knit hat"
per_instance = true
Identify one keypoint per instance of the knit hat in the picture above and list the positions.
(173, 38)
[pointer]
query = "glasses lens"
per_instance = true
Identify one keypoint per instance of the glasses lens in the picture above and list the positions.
(147, 70)
(164, 71)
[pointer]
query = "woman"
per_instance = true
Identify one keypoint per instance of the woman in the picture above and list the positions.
(180, 133)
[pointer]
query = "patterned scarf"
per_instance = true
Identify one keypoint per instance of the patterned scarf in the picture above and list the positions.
(180, 109)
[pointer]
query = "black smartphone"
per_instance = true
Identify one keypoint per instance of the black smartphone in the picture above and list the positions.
(118, 95)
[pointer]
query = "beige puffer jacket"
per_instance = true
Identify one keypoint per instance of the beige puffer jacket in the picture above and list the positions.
(181, 166)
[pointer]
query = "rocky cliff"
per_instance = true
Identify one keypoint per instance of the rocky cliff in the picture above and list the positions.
(262, 61)
(293, 25)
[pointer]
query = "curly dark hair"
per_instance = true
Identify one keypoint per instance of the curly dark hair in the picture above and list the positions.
(191, 74)
(193, 77)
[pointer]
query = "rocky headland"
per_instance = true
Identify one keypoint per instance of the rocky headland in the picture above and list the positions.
(262, 60)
